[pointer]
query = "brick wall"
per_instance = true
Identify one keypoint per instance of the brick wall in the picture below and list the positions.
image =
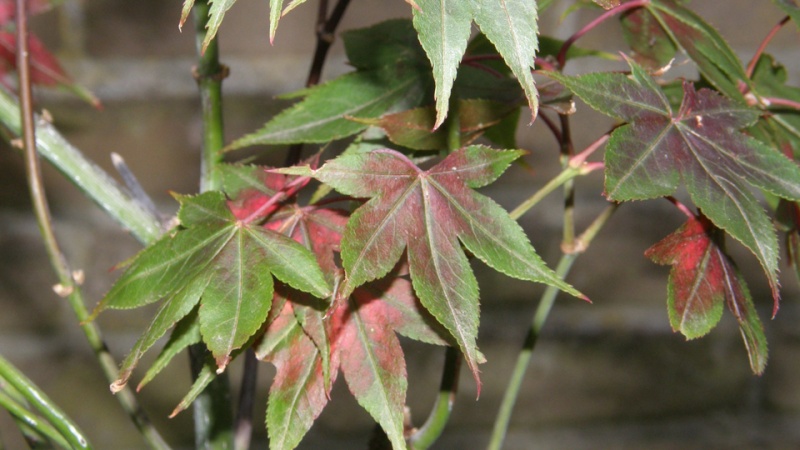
(606, 375)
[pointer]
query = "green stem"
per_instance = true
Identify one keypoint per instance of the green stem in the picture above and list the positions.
(33, 422)
(209, 74)
(88, 177)
(567, 174)
(33, 438)
(69, 281)
(212, 409)
(540, 317)
(440, 414)
(567, 150)
(61, 424)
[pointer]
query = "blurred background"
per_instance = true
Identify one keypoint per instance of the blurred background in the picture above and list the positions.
(605, 375)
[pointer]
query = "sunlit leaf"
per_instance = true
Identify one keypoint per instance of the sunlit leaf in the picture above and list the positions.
(427, 213)
(226, 263)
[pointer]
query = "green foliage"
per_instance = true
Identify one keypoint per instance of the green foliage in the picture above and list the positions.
(383, 247)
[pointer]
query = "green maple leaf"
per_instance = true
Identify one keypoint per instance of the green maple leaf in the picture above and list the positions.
(216, 13)
(444, 28)
(700, 144)
(427, 213)
(224, 264)
(391, 74)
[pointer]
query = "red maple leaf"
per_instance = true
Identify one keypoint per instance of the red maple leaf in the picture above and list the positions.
(309, 344)
(703, 279)
(45, 68)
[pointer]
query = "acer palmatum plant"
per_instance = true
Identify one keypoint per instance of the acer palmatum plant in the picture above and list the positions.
(382, 246)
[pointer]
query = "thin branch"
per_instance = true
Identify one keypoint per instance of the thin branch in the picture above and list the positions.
(212, 410)
(562, 53)
(243, 430)
(68, 286)
(551, 126)
(559, 180)
(440, 413)
(681, 207)
(326, 34)
(540, 317)
(567, 152)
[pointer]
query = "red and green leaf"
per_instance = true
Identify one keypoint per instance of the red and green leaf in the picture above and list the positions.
(45, 68)
(298, 393)
(651, 45)
(699, 144)
(703, 279)
(428, 214)
(225, 263)
(705, 46)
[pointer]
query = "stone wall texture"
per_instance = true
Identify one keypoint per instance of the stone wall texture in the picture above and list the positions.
(607, 375)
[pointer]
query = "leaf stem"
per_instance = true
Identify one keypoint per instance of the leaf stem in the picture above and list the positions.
(770, 101)
(562, 53)
(551, 126)
(567, 152)
(31, 421)
(423, 438)
(751, 66)
(212, 410)
(540, 317)
(244, 417)
(68, 286)
(567, 174)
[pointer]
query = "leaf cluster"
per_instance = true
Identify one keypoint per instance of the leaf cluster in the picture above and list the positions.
(384, 246)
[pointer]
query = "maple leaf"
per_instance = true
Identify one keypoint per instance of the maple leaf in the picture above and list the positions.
(225, 264)
(216, 12)
(309, 346)
(444, 27)
(702, 279)
(392, 74)
(781, 127)
(699, 144)
(298, 393)
(651, 45)
(413, 128)
(427, 213)
(715, 59)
